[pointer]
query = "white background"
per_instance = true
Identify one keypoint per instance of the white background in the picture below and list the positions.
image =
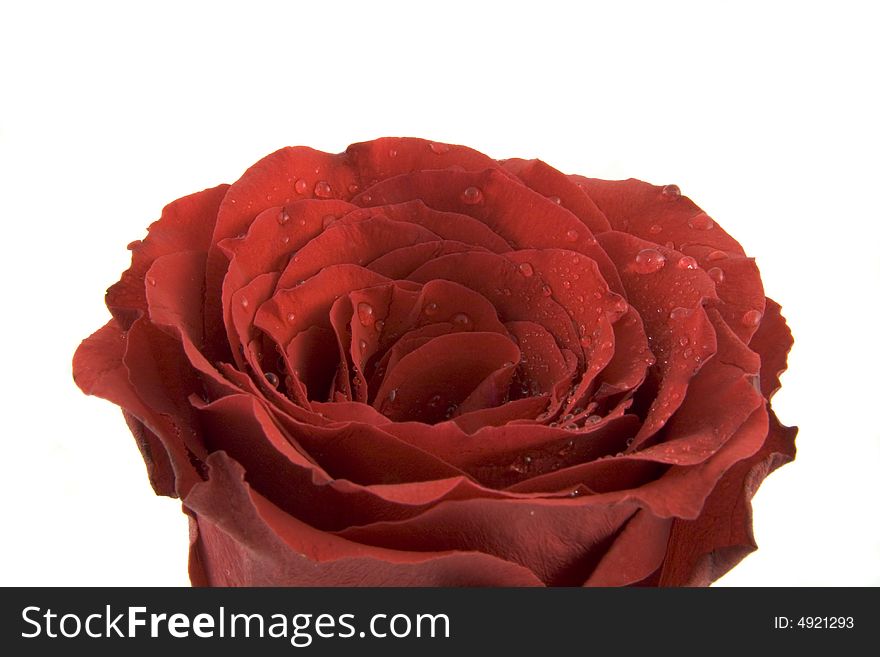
(765, 114)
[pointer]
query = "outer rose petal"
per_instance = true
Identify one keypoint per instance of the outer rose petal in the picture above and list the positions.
(242, 539)
(703, 549)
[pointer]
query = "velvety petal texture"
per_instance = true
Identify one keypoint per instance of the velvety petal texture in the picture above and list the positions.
(409, 364)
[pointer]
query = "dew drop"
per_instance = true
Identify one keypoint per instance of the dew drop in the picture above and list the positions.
(301, 186)
(571, 236)
(671, 192)
(322, 189)
(687, 353)
(555, 199)
(438, 149)
(701, 221)
(272, 378)
(291, 317)
(566, 284)
(450, 410)
(655, 228)
(716, 274)
(392, 395)
(283, 217)
(526, 269)
(546, 291)
(679, 313)
(687, 262)
(380, 324)
(431, 309)
(461, 320)
(362, 345)
(649, 261)
(752, 318)
(244, 302)
(683, 341)
(392, 152)
(285, 239)
(151, 281)
(434, 401)
(367, 198)
(472, 195)
(716, 255)
(365, 313)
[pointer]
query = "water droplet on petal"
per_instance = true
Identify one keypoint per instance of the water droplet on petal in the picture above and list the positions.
(461, 320)
(272, 378)
(571, 236)
(301, 186)
(380, 324)
(716, 274)
(546, 291)
(450, 410)
(683, 341)
(679, 313)
(655, 228)
(392, 152)
(322, 189)
(365, 313)
(367, 198)
(716, 255)
(151, 281)
(472, 195)
(701, 221)
(438, 149)
(291, 317)
(283, 217)
(526, 269)
(244, 302)
(752, 318)
(555, 199)
(688, 352)
(392, 395)
(672, 192)
(431, 309)
(687, 262)
(362, 345)
(649, 261)
(285, 239)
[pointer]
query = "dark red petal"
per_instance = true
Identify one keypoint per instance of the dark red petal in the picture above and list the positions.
(554, 184)
(738, 286)
(384, 158)
(98, 369)
(308, 304)
(442, 373)
(447, 225)
(242, 539)
(656, 214)
(573, 537)
(772, 341)
(514, 296)
(669, 300)
(703, 549)
(356, 243)
(185, 225)
(524, 218)
(632, 357)
(501, 456)
(637, 551)
(402, 262)
(543, 370)
(266, 247)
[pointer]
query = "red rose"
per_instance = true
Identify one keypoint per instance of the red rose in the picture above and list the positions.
(410, 364)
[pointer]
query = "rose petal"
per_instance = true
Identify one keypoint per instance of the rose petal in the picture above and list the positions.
(243, 539)
(185, 225)
(550, 182)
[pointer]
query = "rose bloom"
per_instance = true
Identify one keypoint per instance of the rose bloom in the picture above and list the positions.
(409, 364)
